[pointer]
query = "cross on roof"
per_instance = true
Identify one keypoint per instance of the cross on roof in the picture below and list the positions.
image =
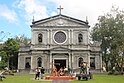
(60, 8)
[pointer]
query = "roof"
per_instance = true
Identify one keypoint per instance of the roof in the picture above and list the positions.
(60, 15)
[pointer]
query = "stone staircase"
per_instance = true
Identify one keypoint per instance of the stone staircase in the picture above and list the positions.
(25, 71)
(97, 72)
(60, 81)
(60, 78)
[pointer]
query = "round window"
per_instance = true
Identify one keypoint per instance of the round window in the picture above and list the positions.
(60, 37)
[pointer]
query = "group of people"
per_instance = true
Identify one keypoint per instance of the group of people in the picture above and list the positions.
(61, 72)
(38, 72)
(84, 68)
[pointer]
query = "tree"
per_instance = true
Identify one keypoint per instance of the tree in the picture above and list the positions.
(9, 50)
(3, 62)
(23, 39)
(109, 30)
(11, 47)
(3, 35)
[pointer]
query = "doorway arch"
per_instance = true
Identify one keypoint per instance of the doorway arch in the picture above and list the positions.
(80, 61)
(39, 62)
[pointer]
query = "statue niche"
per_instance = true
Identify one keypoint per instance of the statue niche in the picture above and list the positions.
(40, 37)
(80, 38)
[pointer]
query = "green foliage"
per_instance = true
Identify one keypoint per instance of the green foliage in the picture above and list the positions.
(3, 55)
(2, 65)
(8, 50)
(110, 32)
(22, 39)
(11, 46)
(3, 62)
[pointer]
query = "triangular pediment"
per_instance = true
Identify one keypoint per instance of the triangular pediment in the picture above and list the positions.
(60, 20)
(60, 48)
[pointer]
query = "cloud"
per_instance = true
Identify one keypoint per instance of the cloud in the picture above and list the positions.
(90, 8)
(31, 8)
(79, 9)
(7, 13)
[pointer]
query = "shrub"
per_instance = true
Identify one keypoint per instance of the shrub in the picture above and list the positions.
(8, 72)
(116, 73)
(110, 73)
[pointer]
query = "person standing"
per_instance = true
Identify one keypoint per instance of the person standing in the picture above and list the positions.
(42, 72)
(54, 71)
(61, 71)
(37, 73)
(66, 70)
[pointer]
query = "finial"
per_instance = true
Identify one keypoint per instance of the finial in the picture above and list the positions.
(60, 8)
(33, 19)
(87, 19)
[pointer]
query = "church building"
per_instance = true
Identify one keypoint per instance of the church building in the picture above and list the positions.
(62, 41)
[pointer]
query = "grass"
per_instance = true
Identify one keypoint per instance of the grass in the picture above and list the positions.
(96, 79)
(22, 79)
(104, 79)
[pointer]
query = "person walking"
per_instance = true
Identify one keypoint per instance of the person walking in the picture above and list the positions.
(42, 72)
(37, 73)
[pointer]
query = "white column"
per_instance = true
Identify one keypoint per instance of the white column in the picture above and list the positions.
(69, 36)
(33, 40)
(51, 36)
(72, 61)
(101, 60)
(88, 57)
(69, 60)
(19, 62)
(88, 36)
(48, 36)
(31, 62)
(72, 36)
(97, 62)
(51, 62)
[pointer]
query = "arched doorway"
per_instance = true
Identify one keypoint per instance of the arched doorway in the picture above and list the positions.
(60, 63)
(27, 62)
(39, 62)
(80, 61)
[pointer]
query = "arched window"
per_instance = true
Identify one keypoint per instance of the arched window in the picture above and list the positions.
(40, 37)
(39, 62)
(92, 62)
(27, 62)
(27, 65)
(80, 38)
(80, 61)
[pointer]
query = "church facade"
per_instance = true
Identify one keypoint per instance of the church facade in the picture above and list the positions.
(62, 41)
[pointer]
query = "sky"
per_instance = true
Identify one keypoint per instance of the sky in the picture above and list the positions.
(16, 15)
